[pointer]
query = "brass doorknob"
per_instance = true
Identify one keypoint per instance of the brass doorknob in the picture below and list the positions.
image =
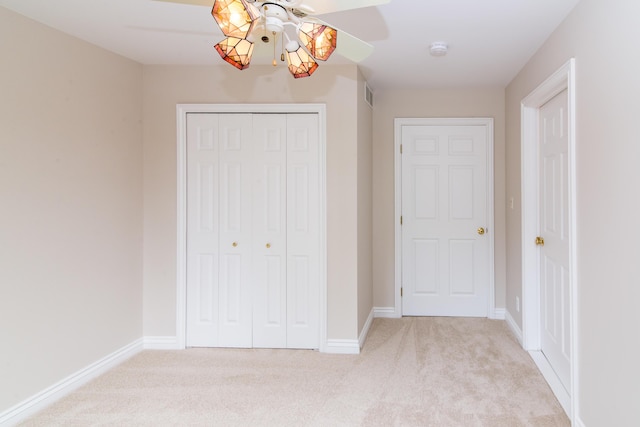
(268, 245)
(235, 244)
(539, 241)
(481, 230)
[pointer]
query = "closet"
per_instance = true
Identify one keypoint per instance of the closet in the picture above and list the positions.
(253, 243)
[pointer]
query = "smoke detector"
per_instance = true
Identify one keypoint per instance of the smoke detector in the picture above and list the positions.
(439, 49)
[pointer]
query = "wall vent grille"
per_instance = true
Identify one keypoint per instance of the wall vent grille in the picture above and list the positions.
(368, 95)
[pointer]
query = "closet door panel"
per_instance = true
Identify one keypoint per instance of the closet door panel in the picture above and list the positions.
(303, 190)
(235, 329)
(202, 230)
(269, 231)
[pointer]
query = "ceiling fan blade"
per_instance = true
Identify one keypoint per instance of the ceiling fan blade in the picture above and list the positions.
(352, 47)
(208, 3)
(319, 7)
(347, 45)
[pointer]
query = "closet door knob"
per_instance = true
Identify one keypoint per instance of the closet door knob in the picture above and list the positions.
(268, 245)
(235, 244)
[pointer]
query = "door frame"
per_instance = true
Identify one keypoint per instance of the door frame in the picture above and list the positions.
(398, 124)
(182, 110)
(562, 79)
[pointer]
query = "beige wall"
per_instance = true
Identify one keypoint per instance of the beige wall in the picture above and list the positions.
(166, 86)
(70, 206)
(365, 214)
(72, 152)
(603, 37)
(393, 104)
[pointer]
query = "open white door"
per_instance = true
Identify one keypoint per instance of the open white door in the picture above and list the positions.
(549, 249)
(555, 307)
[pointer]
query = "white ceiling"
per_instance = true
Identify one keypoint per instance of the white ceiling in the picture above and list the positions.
(489, 40)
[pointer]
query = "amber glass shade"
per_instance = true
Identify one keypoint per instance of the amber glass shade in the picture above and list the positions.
(235, 51)
(301, 64)
(234, 17)
(319, 39)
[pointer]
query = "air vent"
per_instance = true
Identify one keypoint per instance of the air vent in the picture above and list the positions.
(368, 95)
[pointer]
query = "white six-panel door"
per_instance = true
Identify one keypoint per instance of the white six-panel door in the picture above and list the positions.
(252, 243)
(555, 299)
(445, 261)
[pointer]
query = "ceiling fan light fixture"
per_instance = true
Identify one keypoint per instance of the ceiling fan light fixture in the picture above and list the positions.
(236, 18)
(319, 39)
(236, 51)
(301, 64)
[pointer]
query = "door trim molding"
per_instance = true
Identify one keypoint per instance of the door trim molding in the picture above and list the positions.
(563, 78)
(398, 124)
(181, 265)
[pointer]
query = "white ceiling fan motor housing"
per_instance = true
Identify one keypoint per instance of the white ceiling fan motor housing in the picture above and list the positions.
(273, 25)
(275, 17)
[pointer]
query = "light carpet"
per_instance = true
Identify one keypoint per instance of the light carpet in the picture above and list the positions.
(411, 372)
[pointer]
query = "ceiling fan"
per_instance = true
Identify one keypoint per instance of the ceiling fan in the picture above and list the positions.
(243, 22)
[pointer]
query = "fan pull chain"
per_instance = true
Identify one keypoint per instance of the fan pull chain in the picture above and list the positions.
(282, 54)
(275, 40)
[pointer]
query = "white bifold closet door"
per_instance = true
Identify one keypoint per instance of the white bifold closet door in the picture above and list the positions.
(252, 230)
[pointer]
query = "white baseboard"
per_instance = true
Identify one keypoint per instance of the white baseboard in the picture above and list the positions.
(385, 312)
(365, 330)
(390, 313)
(498, 314)
(343, 347)
(552, 379)
(36, 403)
(514, 327)
(161, 343)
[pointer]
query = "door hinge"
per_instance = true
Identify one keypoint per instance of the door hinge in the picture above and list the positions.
(400, 148)
(400, 292)
(400, 219)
